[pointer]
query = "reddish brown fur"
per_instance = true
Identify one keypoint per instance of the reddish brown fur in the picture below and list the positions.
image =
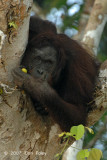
(73, 80)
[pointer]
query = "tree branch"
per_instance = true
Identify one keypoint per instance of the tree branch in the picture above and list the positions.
(98, 135)
(95, 26)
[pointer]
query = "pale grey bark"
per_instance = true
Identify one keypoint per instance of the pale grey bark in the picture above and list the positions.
(95, 26)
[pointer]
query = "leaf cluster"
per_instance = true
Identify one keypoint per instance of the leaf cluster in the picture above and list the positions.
(77, 132)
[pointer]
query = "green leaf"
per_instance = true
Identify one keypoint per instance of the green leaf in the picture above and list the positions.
(77, 132)
(68, 134)
(95, 154)
(62, 134)
(13, 24)
(83, 154)
(90, 130)
(57, 155)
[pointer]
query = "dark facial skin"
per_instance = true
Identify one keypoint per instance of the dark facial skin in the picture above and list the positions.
(41, 63)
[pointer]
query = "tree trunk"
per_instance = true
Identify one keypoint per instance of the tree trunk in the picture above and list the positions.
(84, 19)
(23, 133)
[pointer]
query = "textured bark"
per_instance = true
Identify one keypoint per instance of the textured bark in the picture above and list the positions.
(23, 133)
(84, 19)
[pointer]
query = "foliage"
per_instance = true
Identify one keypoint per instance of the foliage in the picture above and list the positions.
(93, 154)
(83, 154)
(12, 24)
(68, 21)
(103, 139)
(77, 132)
